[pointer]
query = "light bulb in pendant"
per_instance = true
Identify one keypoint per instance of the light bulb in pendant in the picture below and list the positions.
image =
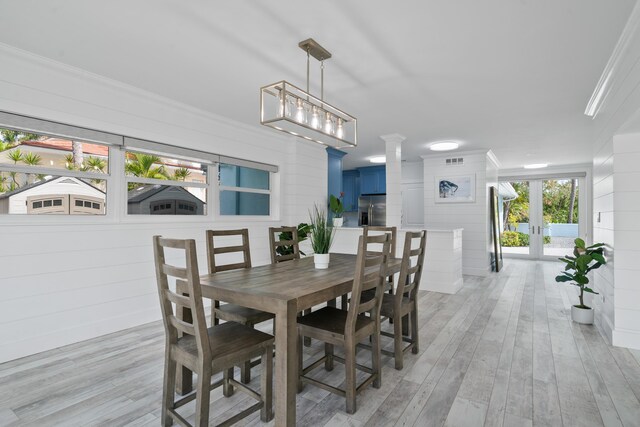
(299, 111)
(340, 130)
(328, 125)
(287, 106)
(282, 101)
(315, 120)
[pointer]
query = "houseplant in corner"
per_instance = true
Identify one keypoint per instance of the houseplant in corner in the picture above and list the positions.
(584, 259)
(321, 237)
(337, 208)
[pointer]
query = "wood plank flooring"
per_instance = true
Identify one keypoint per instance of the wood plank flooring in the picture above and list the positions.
(501, 352)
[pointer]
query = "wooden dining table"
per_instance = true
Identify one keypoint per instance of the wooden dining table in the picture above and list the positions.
(284, 289)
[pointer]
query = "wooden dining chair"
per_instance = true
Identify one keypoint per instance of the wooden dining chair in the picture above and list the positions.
(232, 312)
(388, 284)
(283, 249)
(205, 351)
(405, 300)
(347, 328)
(285, 246)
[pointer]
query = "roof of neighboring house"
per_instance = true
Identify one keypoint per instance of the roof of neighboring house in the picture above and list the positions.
(39, 183)
(145, 191)
(66, 145)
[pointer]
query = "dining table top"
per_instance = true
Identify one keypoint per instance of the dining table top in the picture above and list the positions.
(292, 280)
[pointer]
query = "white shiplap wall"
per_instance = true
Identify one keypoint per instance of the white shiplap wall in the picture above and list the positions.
(615, 186)
(626, 202)
(65, 280)
(473, 217)
(603, 231)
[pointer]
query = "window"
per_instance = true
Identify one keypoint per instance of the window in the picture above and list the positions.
(244, 190)
(39, 173)
(161, 185)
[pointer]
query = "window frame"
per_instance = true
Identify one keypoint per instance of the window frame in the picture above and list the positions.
(272, 216)
(116, 179)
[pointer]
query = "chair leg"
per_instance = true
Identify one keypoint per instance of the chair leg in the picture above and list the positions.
(202, 397)
(300, 367)
(414, 330)
(168, 392)
(328, 352)
(350, 371)
(266, 381)
(245, 372)
(376, 363)
(227, 388)
(214, 319)
(307, 340)
(397, 344)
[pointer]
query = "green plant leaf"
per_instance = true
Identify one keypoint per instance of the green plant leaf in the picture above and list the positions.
(579, 243)
(563, 279)
(598, 257)
(581, 280)
(591, 291)
(597, 245)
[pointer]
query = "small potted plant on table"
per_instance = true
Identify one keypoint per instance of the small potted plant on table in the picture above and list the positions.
(584, 259)
(337, 208)
(321, 237)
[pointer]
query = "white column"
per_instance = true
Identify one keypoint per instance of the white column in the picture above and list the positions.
(393, 153)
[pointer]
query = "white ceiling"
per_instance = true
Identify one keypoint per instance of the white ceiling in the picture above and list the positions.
(510, 75)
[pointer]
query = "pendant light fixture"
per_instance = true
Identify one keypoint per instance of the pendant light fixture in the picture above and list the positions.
(290, 109)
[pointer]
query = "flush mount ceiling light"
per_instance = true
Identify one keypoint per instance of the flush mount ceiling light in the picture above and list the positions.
(378, 159)
(444, 146)
(536, 166)
(290, 109)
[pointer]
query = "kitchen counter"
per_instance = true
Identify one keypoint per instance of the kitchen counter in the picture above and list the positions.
(442, 270)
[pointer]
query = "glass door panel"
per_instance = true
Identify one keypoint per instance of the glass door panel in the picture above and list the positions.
(560, 215)
(514, 210)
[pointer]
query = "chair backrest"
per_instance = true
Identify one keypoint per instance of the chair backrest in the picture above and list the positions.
(412, 263)
(286, 247)
(213, 250)
(371, 269)
(188, 274)
(393, 231)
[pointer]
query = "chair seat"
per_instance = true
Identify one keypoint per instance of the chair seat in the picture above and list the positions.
(332, 320)
(228, 339)
(388, 302)
(240, 314)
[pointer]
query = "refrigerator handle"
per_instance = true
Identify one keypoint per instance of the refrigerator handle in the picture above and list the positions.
(370, 214)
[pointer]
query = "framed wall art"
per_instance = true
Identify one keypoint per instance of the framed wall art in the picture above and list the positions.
(456, 189)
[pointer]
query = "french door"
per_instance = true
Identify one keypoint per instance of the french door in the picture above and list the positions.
(540, 218)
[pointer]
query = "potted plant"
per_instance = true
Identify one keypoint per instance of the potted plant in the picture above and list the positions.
(303, 234)
(584, 259)
(337, 208)
(321, 237)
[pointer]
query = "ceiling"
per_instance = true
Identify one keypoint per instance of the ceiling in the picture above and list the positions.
(513, 76)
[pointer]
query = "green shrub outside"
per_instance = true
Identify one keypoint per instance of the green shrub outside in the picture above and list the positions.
(518, 239)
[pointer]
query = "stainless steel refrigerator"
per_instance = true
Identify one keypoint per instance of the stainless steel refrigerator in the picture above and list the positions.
(372, 209)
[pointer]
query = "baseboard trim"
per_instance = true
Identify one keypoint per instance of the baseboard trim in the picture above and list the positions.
(626, 338)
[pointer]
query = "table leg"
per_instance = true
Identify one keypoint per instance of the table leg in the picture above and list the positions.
(286, 378)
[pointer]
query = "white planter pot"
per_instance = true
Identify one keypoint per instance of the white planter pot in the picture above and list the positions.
(321, 260)
(582, 315)
(337, 222)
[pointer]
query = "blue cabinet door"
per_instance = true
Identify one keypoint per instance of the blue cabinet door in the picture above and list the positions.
(351, 190)
(373, 180)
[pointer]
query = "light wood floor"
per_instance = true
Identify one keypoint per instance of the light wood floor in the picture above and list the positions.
(502, 352)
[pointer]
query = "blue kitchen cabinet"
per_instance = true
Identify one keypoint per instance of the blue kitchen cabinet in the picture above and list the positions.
(373, 180)
(351, 189)
(334, 164)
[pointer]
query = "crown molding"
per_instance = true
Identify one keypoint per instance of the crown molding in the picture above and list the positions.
(611, 74)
